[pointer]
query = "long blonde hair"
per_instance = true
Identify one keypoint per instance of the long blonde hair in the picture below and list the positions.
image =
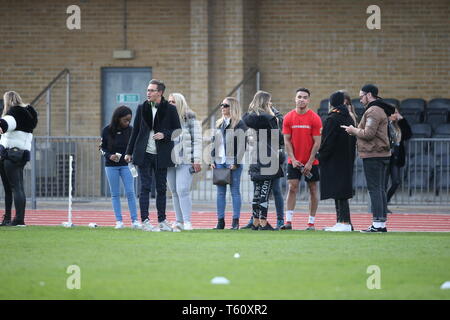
(182, 107)
(11, 99)
(260, 103)
(235, 112)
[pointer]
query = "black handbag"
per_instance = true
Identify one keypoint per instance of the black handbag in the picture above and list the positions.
(15, 154)
(221, 176)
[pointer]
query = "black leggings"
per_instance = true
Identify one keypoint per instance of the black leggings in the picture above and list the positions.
(342, 211)
(14, 176)
(8, 192)
(394, 172)
(260, 204)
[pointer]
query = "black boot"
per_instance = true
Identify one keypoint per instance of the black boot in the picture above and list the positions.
(249, 224)
(220, 224)
(235, 224)
(6, 221)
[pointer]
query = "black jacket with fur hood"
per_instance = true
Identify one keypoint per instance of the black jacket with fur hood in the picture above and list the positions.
(17, 125)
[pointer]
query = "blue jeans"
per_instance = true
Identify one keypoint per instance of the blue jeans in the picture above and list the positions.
(235, 188)
(375, 170)
(114, 174)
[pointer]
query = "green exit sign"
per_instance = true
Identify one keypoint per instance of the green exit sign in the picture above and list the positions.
(127, 97)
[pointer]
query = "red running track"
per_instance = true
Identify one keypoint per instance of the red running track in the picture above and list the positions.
(207, 220)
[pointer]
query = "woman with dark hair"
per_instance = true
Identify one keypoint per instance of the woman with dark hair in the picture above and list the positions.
(402, 133)
(261, 118)
(350, 107)
(16, 127)
(336, 158)
(115, 139)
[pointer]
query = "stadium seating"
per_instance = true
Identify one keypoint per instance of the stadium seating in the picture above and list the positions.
(421, 130)
(437, 112)
(412, 110)
(420, 171)
(443, 173)
(442, 131)
(394, 102)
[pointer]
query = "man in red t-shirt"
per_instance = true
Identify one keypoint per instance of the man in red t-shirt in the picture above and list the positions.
(302, 130)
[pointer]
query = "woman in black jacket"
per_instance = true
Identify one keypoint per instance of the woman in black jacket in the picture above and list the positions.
(115, 138)
(266, 168)
(336, 158)
(228, 151)
(16, 127)
(403, 133)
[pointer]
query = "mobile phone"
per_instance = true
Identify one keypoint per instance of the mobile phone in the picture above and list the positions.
(191, 170)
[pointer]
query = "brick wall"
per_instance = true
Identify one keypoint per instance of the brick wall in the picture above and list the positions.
(37, 46)
(323, 45)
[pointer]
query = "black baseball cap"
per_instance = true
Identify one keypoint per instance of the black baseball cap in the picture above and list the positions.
(373, 89)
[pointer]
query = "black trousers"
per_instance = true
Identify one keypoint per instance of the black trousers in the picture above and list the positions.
(8, 191)
(394, 173)
(145, 174)
(13, 171)
(342, 211)
(260, 204)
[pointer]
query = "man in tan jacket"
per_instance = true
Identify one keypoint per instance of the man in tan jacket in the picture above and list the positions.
(374, 150)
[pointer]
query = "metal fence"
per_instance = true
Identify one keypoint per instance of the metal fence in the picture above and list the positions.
(425, 179)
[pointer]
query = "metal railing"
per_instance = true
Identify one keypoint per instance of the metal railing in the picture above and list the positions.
(47, 93)
(425, 179)
(252, 77)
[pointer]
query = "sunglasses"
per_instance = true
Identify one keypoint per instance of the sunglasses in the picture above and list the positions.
(171, 101)
(224, 105)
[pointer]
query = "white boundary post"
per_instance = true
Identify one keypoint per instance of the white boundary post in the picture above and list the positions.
(69, 223)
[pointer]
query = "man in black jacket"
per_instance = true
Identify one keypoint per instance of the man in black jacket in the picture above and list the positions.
(150, 148)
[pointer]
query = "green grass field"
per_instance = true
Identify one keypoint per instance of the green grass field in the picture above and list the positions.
(132, 264)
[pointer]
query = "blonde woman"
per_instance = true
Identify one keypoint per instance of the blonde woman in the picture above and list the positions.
(16, 128)
(227, 135)
(262, 119)
(187, 158)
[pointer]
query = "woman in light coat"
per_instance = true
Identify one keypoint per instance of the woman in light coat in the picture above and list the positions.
(186, 155)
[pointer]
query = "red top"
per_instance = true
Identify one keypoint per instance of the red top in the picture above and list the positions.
(302, 128)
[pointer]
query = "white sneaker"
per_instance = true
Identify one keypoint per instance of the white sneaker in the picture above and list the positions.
(119, 225)
(340, 227)
(178, 226)
(146, 226)
(188, 226)
(164, 226)
(136, 225)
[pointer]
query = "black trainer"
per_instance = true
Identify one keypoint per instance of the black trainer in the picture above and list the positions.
(248, 226)
(235, 224)
(220, 224)
(287, 226)
(267, 227)
(372, 229)
(5, 223)
(17, 223)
